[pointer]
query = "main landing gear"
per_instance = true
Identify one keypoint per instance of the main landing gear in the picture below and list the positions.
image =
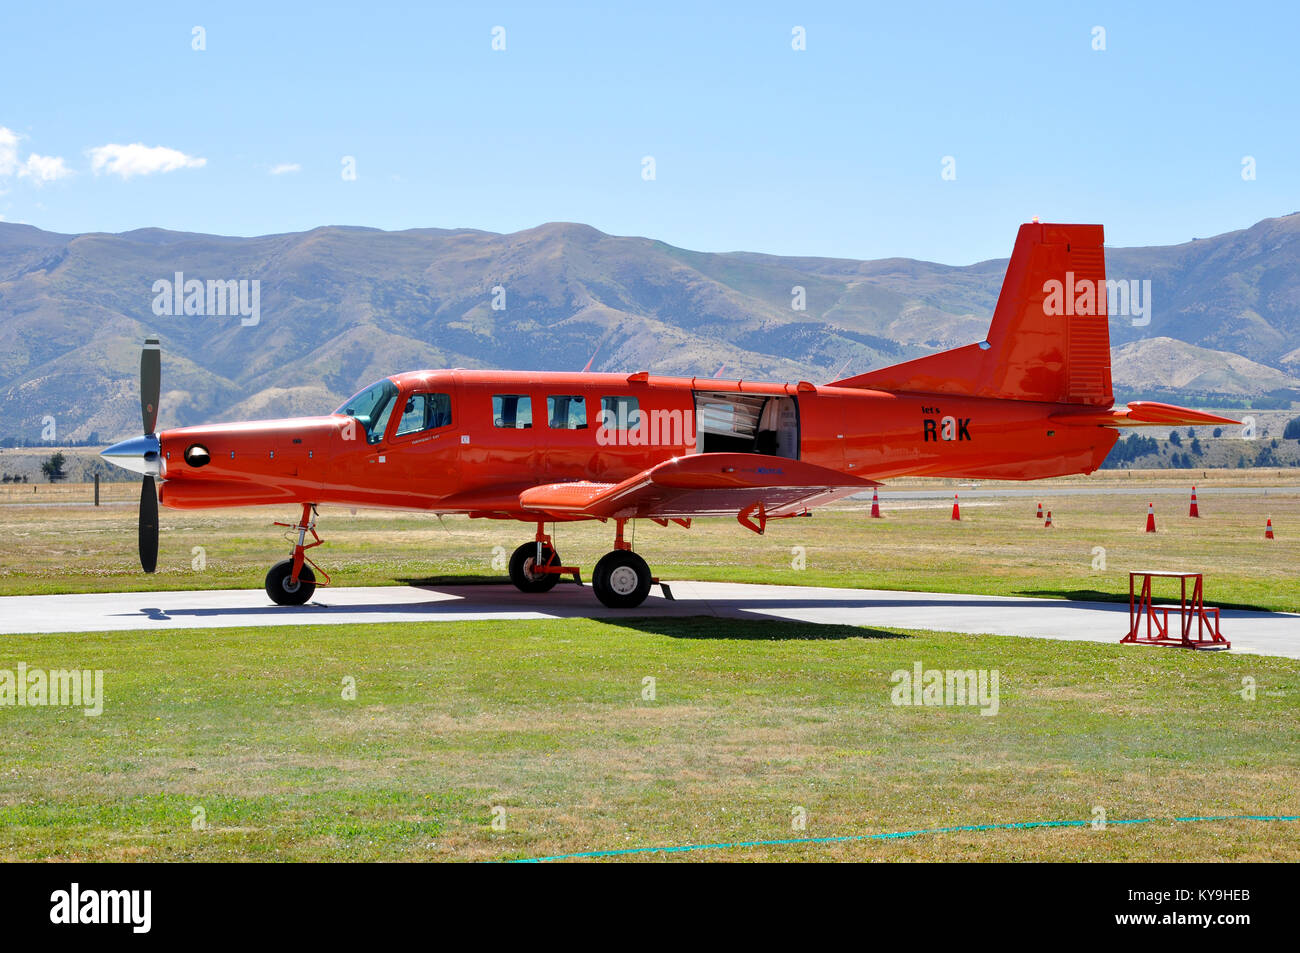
(535, 566)
(621, 580)
(291, 582)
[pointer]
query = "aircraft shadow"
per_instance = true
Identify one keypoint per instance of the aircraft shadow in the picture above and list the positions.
(499, 601)
(1164, 599)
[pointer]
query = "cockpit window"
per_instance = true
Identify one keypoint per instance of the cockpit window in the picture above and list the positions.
(371, 409)
(424, 412)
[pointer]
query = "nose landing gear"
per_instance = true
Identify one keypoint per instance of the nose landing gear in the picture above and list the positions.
(291, 582)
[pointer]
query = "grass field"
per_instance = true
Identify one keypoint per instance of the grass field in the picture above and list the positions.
(997, 548)
(543, 724)
(547, 722)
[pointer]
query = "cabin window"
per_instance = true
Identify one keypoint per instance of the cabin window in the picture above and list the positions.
(619, 413)
(425, 412)
(566, 412)
(512, 411)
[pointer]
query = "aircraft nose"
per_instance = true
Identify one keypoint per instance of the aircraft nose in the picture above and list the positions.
(138, 454)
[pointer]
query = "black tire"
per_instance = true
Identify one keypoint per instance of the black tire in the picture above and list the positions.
(621, 580)
(283, 591)
(521, 569)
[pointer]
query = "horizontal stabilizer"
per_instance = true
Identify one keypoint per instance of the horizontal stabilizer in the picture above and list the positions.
(1142, 413)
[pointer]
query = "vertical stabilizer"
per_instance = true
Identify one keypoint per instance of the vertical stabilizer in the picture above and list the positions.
(1049, 340)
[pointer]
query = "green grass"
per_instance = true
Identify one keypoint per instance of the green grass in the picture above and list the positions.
(998, 548)
(546, 719)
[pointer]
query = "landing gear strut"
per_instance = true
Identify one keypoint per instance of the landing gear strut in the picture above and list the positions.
(291, 582)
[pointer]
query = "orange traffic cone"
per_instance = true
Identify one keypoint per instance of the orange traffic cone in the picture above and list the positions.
(1268, 529)
(1048, 524)
(1194, 512)
(956, 509)
(1040, 512)
(1151, 518)
(875, 505)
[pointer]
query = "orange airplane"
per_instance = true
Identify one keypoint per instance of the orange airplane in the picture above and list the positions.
(1032, 400)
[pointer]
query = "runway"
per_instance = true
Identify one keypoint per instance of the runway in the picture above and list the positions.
(1258, 633)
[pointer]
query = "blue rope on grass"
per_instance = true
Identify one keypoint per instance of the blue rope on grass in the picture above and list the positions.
(896, 835)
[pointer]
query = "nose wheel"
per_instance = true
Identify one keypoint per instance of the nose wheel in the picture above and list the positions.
(284, 590)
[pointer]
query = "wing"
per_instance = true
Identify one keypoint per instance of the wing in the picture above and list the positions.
(703, 484)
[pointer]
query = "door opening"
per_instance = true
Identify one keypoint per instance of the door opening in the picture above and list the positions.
(728, 422)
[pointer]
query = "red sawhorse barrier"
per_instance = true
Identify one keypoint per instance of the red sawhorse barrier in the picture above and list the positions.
(1193, 609)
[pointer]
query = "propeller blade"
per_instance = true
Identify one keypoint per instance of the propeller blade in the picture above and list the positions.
(150, 383)
(148, 525)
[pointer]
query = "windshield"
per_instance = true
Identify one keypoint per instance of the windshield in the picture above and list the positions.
(371, 408)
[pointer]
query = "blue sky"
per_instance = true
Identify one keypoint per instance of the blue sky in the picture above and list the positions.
(832, 150)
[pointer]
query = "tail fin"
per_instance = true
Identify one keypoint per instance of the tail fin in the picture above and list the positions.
(1049, 339)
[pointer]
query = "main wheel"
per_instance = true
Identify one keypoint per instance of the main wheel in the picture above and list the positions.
(283, 590)
(621, 579)
(523, 569)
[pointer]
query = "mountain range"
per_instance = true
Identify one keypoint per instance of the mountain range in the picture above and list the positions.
(340, 307)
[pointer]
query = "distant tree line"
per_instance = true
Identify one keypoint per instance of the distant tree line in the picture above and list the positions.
(91, 440)
(1129, 449)
(1274, 400)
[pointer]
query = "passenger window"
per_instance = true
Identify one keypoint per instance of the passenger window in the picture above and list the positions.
(512, 411)
(619, 413)
(425, 412)
(566, 412)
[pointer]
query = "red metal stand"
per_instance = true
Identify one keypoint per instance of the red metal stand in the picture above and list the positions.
(1157, 626)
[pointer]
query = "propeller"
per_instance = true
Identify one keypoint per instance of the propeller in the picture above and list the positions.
(150, 391)
(142, 454)
(148, 536)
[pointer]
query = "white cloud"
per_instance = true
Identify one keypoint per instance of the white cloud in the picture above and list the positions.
(139, 159)
(8, 152)
(38, 168)
(44, 168)
(284, 167)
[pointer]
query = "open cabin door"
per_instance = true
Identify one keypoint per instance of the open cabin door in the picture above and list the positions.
(730, 422)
